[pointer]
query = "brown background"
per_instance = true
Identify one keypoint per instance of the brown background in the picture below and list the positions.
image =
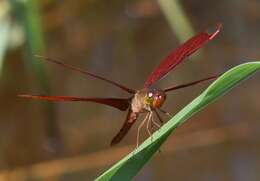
(124, 41)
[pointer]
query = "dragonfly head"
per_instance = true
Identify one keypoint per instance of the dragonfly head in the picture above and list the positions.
(155, 98)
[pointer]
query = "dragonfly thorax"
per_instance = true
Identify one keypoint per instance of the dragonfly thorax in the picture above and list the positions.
(147, 100)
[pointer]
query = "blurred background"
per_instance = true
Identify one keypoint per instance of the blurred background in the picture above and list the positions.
(123, 41)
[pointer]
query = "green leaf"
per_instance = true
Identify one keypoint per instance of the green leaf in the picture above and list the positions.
(129, 166)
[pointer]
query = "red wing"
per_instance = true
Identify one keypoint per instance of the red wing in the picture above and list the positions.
(88, 73)
(121, 104)
(130, 120)
(190, 84)
(176, 56)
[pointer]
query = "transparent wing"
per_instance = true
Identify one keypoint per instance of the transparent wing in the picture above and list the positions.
(88, 73)
(190, 83)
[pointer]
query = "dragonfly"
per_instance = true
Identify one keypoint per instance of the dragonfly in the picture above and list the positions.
(148, 100)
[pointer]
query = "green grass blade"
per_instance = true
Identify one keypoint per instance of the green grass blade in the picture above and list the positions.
(5, 29)
(130, 165)
(177, 19)
(28, 13)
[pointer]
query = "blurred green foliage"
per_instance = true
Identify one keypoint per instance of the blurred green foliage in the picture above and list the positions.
(177, 19)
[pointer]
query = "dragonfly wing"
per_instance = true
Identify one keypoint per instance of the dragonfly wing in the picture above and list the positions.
(178, 55)
(130, 120)
(190, 83)
(87, 73)
(121, 104)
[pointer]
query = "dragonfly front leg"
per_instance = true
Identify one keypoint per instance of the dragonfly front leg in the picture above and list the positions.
(139, 129)
(155, 123)
(148, 124)
(165, 112)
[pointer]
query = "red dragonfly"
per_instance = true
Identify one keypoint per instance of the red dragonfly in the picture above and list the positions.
(147, 100)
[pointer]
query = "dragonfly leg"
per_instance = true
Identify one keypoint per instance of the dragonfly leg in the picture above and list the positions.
(165, 112)
(139, 129)
(155, 123)
(152, 128)
(158, 116)
(148, 124)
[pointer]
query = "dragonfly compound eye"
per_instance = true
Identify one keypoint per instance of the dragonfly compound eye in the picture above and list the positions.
(158, 100)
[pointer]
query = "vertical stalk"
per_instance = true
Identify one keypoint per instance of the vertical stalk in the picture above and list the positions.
(177, 19)
(28, 13)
